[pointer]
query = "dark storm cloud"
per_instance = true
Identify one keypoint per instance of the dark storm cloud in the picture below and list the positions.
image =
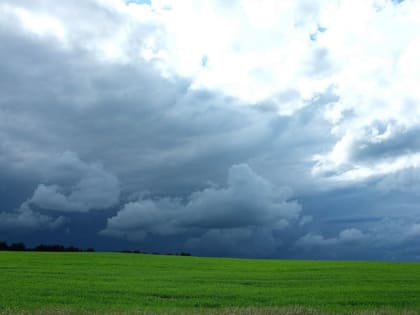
(27, 219)
(149, 134)
(390, 238)
(82, 187)
(248, 201)
(144, 129)
(95, 141)
(136, 123)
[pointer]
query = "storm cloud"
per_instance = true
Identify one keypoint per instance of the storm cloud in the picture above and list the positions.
(258, 129)
(248, 201)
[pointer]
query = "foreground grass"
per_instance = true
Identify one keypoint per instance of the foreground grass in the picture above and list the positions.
(296, 310)
(89, 283)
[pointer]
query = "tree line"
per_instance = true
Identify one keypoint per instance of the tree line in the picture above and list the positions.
(42, 248)
(61, 248)
(154, 253)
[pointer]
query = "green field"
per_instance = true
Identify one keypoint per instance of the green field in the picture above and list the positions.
(114, 282)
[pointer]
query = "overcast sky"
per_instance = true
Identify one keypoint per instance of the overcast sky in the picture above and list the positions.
(255, 128)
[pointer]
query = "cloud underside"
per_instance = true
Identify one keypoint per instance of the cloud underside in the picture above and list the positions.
(284, 128)
(247, 205)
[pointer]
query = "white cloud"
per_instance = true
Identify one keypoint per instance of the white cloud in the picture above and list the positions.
(260, 51)
(378, 104)
(39, 24)
(253, 49)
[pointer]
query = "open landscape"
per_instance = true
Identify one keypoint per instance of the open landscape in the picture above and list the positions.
(209, 157)
(83, 283)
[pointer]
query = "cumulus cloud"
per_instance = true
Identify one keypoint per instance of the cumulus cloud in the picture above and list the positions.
(79, 187)
(27, 219)
(377, 149)
(319, 45)
(319, 96)
(386, 238)
(403, 181)
(394, 232)
(373, 84)
(82, 187)
(347, 236)
(248, 201)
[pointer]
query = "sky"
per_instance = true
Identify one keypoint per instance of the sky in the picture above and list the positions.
(254, 128)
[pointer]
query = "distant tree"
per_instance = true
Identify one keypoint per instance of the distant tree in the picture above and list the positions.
(39, 248)
(58, 248)
(4, 246)
(49, 248)
(184, 254)
(72, 249)
(17, 247)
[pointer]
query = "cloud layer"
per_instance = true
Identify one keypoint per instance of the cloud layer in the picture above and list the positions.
(85, 187)
(248, 201)
(252, 128)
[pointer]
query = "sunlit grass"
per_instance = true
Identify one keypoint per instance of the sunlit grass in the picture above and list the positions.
(85, 283)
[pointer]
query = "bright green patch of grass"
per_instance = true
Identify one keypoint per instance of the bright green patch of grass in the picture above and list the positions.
(95, 282)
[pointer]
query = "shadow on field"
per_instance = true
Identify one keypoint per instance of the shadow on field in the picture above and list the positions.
(296, 310)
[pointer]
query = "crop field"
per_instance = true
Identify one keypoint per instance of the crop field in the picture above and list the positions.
(85, 283)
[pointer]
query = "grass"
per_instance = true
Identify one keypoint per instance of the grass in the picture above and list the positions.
(88, 283)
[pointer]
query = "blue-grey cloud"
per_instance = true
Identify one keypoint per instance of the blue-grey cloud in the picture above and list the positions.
(275, 148)
(75, 186)
(27, 219)
(248, 201)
